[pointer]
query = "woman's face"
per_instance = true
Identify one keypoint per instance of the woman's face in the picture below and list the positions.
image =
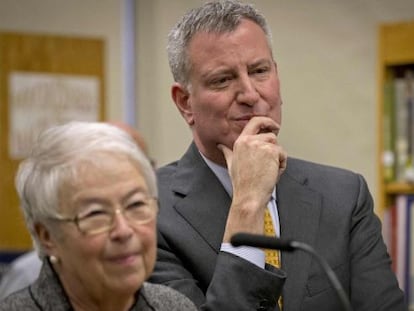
(118, 260)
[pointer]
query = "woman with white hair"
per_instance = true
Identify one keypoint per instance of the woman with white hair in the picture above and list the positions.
(89, 197)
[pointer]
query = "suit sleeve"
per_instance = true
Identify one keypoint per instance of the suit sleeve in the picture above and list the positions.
(235, 283)
(373, 284)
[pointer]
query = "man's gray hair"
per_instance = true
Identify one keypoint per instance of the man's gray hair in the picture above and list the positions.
(215, 17)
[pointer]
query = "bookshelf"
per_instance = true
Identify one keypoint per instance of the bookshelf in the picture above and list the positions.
(396, 56)
(396, 149)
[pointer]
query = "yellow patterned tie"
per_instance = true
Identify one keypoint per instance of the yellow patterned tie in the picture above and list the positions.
(272, 256)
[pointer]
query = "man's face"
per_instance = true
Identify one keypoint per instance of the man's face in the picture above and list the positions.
(233, 78)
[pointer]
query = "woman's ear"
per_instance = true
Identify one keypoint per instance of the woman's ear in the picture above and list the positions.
(45, 239)
(181, 98)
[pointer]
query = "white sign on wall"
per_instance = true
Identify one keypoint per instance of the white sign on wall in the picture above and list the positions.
(41, 100)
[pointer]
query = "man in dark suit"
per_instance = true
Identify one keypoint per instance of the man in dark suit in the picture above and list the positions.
(227, 90)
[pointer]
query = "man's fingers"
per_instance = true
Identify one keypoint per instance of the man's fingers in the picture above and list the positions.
(258, 125)
(282, 162)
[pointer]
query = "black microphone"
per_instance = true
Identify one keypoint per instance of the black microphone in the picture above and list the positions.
(263, 241)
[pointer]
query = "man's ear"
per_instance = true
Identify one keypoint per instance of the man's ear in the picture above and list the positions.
(45, 239)
(181, 98)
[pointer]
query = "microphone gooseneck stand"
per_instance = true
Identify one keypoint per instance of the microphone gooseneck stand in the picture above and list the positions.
(346, 305)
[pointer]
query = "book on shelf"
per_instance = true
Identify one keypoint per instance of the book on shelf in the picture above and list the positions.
(389, 223)
(388, 158)
(398, 231)
(398, 125)
(411, 261)
(409, 100)
(401, 128)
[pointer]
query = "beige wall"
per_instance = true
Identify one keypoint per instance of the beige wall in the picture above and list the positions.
(326, 52)
(90, 18)
(325, 49)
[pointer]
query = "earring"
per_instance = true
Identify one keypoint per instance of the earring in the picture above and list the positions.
(53, 259)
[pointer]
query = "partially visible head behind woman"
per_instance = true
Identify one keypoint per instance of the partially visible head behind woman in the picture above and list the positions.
(136, 136)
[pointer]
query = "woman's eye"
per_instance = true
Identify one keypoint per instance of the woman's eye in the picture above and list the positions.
(136, 204)
(93, 213)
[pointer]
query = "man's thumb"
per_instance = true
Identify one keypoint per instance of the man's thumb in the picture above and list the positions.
(227, 152)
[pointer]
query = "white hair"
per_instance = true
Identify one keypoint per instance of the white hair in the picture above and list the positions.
(55, 159)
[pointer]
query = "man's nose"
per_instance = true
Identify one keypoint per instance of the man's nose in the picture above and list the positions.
(247, 93)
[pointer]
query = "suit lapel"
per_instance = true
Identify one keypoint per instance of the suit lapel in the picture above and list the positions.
(299, 211)
(203, 201)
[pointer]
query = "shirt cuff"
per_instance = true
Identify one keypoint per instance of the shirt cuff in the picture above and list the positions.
(252, 254)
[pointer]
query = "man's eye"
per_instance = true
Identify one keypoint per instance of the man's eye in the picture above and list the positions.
(220, 82)
(260, 70)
